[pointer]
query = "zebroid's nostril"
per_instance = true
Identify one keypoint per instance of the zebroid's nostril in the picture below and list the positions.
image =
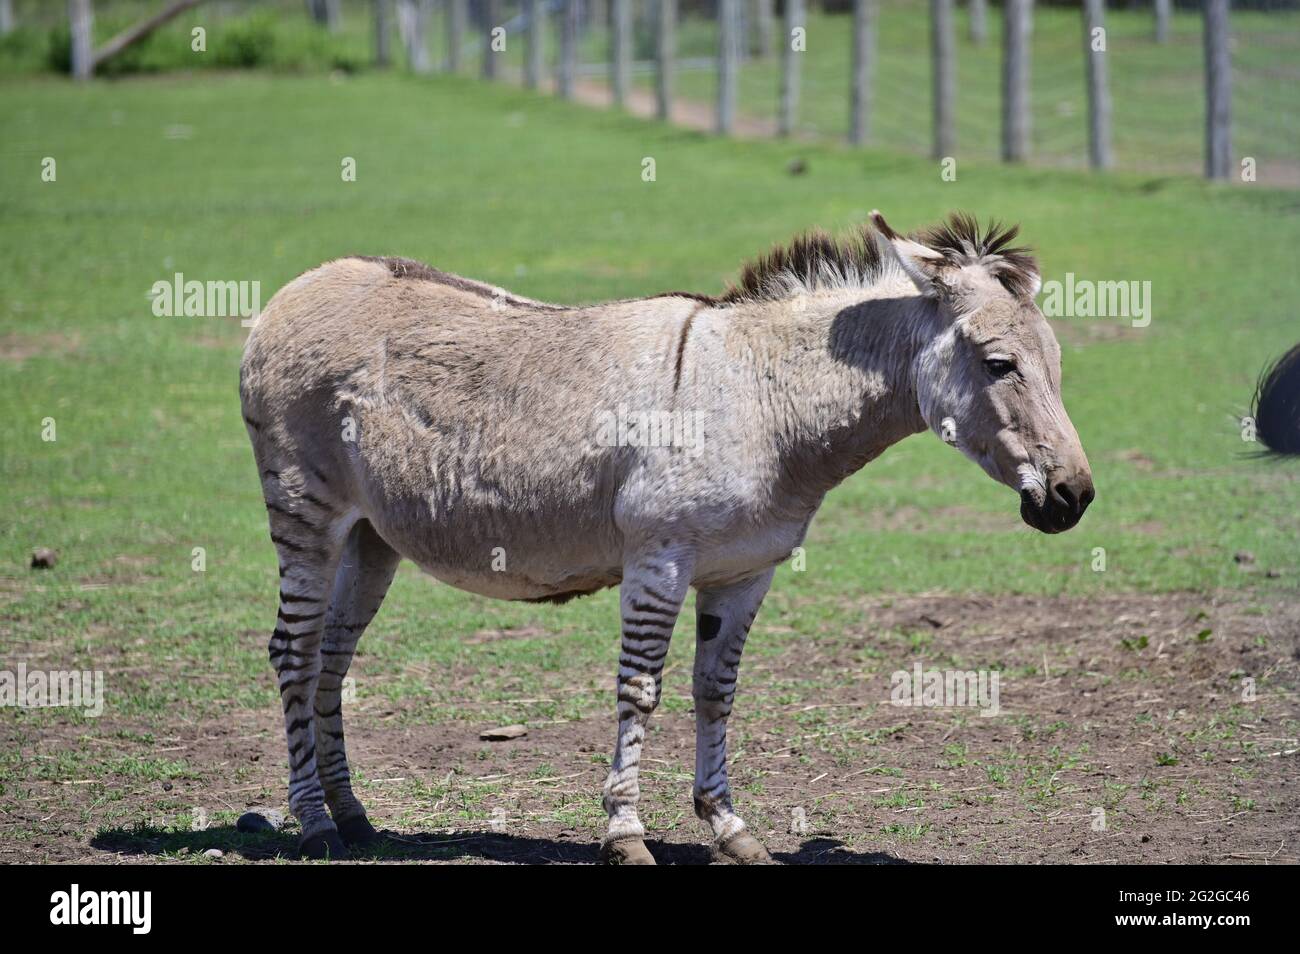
(1065, 496)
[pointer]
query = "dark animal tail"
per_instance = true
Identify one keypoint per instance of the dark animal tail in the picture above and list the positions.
(1276, 407)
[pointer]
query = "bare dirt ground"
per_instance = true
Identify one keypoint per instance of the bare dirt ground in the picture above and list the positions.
(686, 112)
(1128, 733)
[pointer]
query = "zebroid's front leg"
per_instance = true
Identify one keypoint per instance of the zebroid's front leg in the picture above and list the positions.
(722, 620)
(654, 586)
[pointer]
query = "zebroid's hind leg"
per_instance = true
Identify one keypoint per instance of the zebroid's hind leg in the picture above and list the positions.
(364, 573)
(302, 526)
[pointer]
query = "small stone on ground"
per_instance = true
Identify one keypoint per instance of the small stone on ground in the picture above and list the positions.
(516, 731)
(259, 820)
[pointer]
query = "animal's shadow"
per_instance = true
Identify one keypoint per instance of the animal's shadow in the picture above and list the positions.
(480, 845)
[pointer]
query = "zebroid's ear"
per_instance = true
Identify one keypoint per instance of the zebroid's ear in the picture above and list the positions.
(1030, 283)
(920, 263)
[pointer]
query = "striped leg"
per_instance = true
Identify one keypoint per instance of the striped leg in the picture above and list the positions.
(653, 589)
(301, 531)
(365, 570)
(723, 618)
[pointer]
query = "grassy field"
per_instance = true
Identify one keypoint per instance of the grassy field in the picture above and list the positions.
(1158, 108)
(237, 177)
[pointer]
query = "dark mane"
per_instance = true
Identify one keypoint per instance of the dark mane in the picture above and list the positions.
(962, 243)
(816, 260)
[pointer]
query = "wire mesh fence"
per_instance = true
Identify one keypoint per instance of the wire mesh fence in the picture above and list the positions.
(652, 56)
(1266, 94)
(1155, 71)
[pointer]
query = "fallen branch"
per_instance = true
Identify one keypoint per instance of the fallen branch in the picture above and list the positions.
(138, 32)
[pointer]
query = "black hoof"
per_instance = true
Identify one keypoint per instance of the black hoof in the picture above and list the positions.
(323, 846)
(357, 832)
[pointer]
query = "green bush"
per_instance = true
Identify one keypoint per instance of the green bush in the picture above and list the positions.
(346, 62)
(266, 38)
(245, 43)
(58, 55)
(16, 43)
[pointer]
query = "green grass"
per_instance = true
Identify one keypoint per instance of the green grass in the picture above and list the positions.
(151, 459)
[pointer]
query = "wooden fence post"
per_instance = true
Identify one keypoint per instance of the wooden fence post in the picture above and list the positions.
(864, 58)
(943, 57)
(1162, 20)
(620, 50)
(317, 11)
(728, 54)
(979, 21)
(456, 16)
(665, 54)
(1094, 53)
(761, 35)
(568, 64)
(383, 32)
(491, 20)
(327, 13)
(416, 14)
(1218, 91)
(81, 20)
(1016, 24)
(534, 11)
(790, 63)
